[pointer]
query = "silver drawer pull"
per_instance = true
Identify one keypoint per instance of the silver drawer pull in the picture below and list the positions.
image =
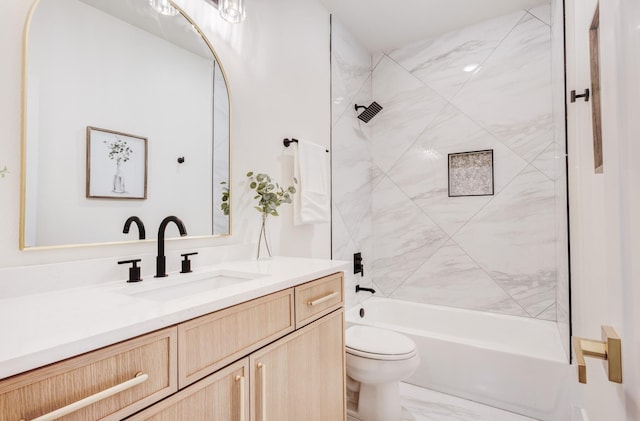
(323, 299)
(89, 400)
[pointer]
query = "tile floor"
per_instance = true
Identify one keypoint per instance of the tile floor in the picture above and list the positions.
(425, 405)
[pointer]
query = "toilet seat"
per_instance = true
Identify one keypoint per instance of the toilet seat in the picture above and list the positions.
(378, 344)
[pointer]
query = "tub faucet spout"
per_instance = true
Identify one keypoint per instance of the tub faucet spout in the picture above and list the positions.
(359, 288)
(161, 260)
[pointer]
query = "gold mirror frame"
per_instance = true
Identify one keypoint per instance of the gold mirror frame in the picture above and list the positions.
(23, 181)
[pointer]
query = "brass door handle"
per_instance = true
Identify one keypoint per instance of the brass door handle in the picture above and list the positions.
(609, 349)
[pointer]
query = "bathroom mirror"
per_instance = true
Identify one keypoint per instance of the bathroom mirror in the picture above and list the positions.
(151, 89)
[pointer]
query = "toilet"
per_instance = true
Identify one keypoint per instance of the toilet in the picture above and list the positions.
(377, 361)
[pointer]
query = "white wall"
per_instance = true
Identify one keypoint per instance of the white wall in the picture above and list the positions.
(277, 63)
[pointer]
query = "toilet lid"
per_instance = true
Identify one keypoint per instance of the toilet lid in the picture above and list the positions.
(373, 342)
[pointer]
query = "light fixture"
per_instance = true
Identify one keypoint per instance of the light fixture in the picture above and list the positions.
(163, 7)
(232, 10)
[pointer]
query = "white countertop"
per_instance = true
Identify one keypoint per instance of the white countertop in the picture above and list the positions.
(40, 329)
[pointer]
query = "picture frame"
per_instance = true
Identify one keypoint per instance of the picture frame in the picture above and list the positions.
(116, 165)
(470, 173)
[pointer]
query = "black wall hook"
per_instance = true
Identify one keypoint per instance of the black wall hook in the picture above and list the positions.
(181, 160)
(584, 95)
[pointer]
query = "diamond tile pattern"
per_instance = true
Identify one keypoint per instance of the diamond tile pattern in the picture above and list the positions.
(487, 86)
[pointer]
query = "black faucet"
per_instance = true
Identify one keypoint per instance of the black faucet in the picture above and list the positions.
(359, 288)
(161, 260)
(138, 221)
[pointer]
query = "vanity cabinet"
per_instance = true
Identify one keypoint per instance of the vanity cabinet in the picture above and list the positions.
(278, 357)
(144, 367)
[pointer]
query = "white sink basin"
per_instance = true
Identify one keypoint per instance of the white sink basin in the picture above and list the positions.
(196, 283)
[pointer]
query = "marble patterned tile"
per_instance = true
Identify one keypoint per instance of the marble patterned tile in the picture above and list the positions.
(344, 246)
(542, 12)
(422, 171)
(548, 314)
(534, 292)
(350, 68)
(408, 108)
(403, 238)
(376, 175)
(547, 161)
(510, 95)
(420, 404)
(451, 278)
(513, 240)
(351, 169)
(375, 59)
(447, 62)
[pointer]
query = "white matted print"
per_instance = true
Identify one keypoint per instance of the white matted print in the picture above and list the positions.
(116, 165)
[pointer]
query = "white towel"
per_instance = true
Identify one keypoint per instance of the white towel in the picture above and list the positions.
(311, 203)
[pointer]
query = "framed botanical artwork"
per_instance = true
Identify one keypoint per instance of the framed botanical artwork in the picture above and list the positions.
(471, 173)
(116, 165)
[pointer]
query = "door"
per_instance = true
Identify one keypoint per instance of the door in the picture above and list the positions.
(301, 377)
(605, 207)
(220, 396)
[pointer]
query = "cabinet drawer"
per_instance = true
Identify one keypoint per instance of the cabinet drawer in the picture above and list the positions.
(223, 395)
(210, 342)
(318, 298)
(44, 390)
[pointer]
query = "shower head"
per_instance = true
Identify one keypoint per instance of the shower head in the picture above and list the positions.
(369, 112)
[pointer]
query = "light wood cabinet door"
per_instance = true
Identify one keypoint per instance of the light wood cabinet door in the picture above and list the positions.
(211, 342)
(223, 396)
(301, 377)
(44, 390)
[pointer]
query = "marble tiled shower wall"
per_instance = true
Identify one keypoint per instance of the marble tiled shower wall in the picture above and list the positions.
(487, 86)
(352, 159)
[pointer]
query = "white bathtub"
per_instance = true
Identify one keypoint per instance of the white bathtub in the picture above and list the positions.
(514, 363)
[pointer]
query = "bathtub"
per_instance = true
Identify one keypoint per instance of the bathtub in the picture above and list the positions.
(513, 363)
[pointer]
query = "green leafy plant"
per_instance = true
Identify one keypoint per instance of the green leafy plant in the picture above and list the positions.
(270, 196)
(119, 150)
(224, 206)
(269, 193)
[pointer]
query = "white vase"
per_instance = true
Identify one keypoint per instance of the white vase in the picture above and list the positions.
(118, 180)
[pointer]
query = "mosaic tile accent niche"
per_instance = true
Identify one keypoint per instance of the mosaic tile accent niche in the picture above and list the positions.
(471, 173)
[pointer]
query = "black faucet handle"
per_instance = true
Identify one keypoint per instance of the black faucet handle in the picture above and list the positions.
(358, 266)
(186, 263)
(134, 270)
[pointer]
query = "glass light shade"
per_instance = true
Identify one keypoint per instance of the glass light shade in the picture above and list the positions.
(163, 7)
(232, 10)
